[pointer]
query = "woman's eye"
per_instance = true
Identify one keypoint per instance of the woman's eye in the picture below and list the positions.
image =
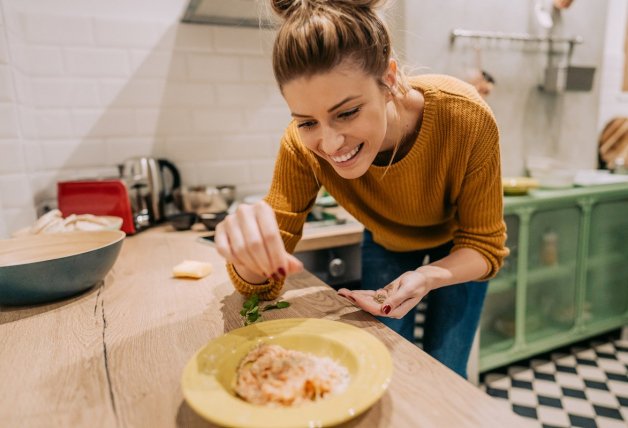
(350, 113)
(306, 125)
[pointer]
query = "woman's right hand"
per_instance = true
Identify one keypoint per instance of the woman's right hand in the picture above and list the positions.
(250, 240)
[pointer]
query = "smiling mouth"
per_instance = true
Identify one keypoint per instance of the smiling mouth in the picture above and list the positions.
(347, 156)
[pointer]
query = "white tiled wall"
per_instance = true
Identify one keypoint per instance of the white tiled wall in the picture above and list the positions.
(85, 84)
(83, 87)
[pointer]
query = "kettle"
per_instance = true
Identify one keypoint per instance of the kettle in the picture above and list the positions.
(149, 188)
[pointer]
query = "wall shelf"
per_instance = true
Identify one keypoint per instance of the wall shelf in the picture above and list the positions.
(459, 33)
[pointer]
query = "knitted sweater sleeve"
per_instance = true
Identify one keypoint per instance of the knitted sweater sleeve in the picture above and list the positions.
(292, 194)
(480, 202)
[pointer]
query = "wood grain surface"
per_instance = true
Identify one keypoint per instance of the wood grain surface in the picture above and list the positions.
(113, 356)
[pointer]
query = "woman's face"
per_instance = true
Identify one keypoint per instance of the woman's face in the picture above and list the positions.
(342, 116)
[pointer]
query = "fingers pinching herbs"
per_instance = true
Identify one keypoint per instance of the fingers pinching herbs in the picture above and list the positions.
(276, 254)
(252, 247)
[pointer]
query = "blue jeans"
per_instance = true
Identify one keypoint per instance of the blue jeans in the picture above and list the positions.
(453, 312)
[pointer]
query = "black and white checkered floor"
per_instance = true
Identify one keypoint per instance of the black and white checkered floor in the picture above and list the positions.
(581, 386)
(587, 387)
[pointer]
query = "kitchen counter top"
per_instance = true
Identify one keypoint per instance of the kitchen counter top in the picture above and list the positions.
(113, 356)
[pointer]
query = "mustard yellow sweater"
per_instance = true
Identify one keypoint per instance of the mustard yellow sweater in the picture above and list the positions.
(447, 187)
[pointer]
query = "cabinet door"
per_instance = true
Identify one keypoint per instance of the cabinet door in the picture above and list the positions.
(497, 326)
(607, 263)
(551, 274)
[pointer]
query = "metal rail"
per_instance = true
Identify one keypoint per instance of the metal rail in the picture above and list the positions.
(517, 37)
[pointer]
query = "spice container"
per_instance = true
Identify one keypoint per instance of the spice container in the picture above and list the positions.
(549, 250)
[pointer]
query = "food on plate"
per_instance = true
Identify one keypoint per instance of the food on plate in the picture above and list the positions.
(192, 269)
(271, 375)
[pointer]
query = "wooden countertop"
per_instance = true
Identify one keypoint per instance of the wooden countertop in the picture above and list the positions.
(113, 356)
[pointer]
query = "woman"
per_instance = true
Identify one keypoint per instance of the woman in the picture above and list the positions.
(416, 161)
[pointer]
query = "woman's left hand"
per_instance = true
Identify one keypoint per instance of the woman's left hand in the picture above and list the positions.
(397, 298)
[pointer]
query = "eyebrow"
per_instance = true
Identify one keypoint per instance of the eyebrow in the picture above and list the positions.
(334, 107)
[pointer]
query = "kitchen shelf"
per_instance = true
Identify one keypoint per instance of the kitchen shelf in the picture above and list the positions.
(584, 294)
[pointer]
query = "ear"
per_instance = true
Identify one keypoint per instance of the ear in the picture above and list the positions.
(390, 78)
(390, 75)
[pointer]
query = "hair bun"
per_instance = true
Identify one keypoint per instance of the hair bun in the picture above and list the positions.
(285, 8)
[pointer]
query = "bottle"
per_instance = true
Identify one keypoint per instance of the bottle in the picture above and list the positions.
(549, 251)
(620, 166)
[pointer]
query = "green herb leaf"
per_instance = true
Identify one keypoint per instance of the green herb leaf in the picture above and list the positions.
(278, 305)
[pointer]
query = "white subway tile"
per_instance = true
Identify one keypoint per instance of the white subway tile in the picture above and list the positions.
(4, 232)
(6, 84)
(53, 123)
(189, 173)
(23, 88)
(193, 149)
(241, 40)
(158, 64)
(8, 121)
(64, 93)
(133, 93)
(108, 123)
(230, 172)
(246, 95)
(60, 154)
(242, 147)
(262, 170)
(217, 121)
(97, 62)
(16, 191)
(258, 69)
(28, 122)
(37, 60)
(119, 150)
(33, 157)
(133, 33)
(57, 29)
(4, 51)
(213, 68)
(183, 94)
(193, 37)
(18, 218)
(267, 119)
(163, 122)
(11, 156)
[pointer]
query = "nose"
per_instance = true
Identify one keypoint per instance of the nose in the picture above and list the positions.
(331, 140)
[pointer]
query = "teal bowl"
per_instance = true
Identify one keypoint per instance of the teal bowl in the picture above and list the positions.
(44, 268)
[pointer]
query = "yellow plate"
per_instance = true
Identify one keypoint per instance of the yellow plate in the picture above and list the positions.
(514, 186)
(208, 378)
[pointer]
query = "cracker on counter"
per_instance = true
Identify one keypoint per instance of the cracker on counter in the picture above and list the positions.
(192, 269)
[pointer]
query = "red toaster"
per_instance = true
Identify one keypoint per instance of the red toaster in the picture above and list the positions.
(98, 197)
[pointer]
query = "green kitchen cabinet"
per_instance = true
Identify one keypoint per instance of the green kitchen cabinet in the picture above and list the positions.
(566, 278)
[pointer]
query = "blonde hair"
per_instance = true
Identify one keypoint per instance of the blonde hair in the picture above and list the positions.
(318, 35)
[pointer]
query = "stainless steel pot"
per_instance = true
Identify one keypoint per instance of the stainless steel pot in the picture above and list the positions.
(205, 199)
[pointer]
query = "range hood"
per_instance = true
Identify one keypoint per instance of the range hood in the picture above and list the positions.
(240, 13)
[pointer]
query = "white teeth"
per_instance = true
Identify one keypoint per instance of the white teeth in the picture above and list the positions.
(346, 156)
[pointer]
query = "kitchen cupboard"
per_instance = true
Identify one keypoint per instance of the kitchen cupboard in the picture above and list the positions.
(566, 278)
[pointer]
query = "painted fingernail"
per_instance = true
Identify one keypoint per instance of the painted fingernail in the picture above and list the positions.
(282, 271)
(386, 309)
(276, 277)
